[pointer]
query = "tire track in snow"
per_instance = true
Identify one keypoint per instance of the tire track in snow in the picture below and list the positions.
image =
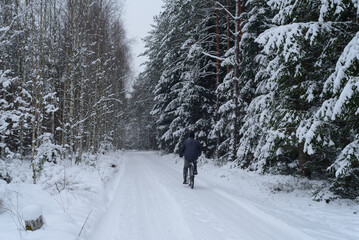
(142, 208)
(151, 203)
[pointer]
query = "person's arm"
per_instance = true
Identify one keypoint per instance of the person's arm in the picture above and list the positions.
(199, 149)
(181, 151)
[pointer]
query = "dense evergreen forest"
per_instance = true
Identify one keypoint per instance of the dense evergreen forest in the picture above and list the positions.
(63, 69)
(271, 85)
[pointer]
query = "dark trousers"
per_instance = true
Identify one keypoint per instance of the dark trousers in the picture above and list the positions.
(185, 168)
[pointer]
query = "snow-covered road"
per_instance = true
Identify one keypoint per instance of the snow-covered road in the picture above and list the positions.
(150, 202)
(140, 196)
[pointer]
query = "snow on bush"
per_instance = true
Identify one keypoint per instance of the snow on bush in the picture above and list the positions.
(57, 177)
(290, 184)
(325, 195)
(65, 194)
(47, 151)
(65, 175)
(15, 171)
(346, 168)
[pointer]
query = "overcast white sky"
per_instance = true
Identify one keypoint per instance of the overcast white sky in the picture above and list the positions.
(138, 19)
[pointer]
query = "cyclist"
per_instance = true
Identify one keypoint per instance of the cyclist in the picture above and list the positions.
(191, 150)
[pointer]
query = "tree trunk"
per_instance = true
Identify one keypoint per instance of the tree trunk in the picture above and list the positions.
(96, 115)
(234, 139)
(65, 108)
(81, 98)
(54, 57)
(40, 74)
(34, 127)
(217, 78)
(228, 33)
(22, 72)
(36, 91)
(72, 76)
(303, 159)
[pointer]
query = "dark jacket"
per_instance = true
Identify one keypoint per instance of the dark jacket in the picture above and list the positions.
(191, 150)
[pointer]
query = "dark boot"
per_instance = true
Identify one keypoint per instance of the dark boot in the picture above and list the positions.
(195, 169)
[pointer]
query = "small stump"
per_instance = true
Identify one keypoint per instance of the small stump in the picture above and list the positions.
(33, 217)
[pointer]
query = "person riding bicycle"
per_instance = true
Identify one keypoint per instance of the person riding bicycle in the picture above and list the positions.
(191, 150)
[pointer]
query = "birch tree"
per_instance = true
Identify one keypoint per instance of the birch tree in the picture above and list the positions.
(57, 78)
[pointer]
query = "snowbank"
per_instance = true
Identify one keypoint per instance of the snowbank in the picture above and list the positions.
(65, 196)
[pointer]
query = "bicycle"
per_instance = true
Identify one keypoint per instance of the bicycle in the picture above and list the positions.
(191, 175)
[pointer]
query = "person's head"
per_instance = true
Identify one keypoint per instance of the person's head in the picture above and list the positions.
(191, 134)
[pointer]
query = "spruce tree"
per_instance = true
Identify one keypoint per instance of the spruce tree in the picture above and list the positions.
(302, 51)
(184, 91)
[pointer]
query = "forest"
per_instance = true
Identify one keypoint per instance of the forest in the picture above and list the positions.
(63, 72)
(268, 85)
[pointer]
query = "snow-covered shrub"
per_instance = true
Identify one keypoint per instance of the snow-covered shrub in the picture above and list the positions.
(290, 184)
(4, 174)
(324, 195)
(56, 178)
(107, 165)
(346, 169)
(47, 151)
(17, 170)
(106, 145)
(66, 176)
(90, 159)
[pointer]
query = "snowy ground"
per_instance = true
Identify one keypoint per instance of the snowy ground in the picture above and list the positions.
(140, 195)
